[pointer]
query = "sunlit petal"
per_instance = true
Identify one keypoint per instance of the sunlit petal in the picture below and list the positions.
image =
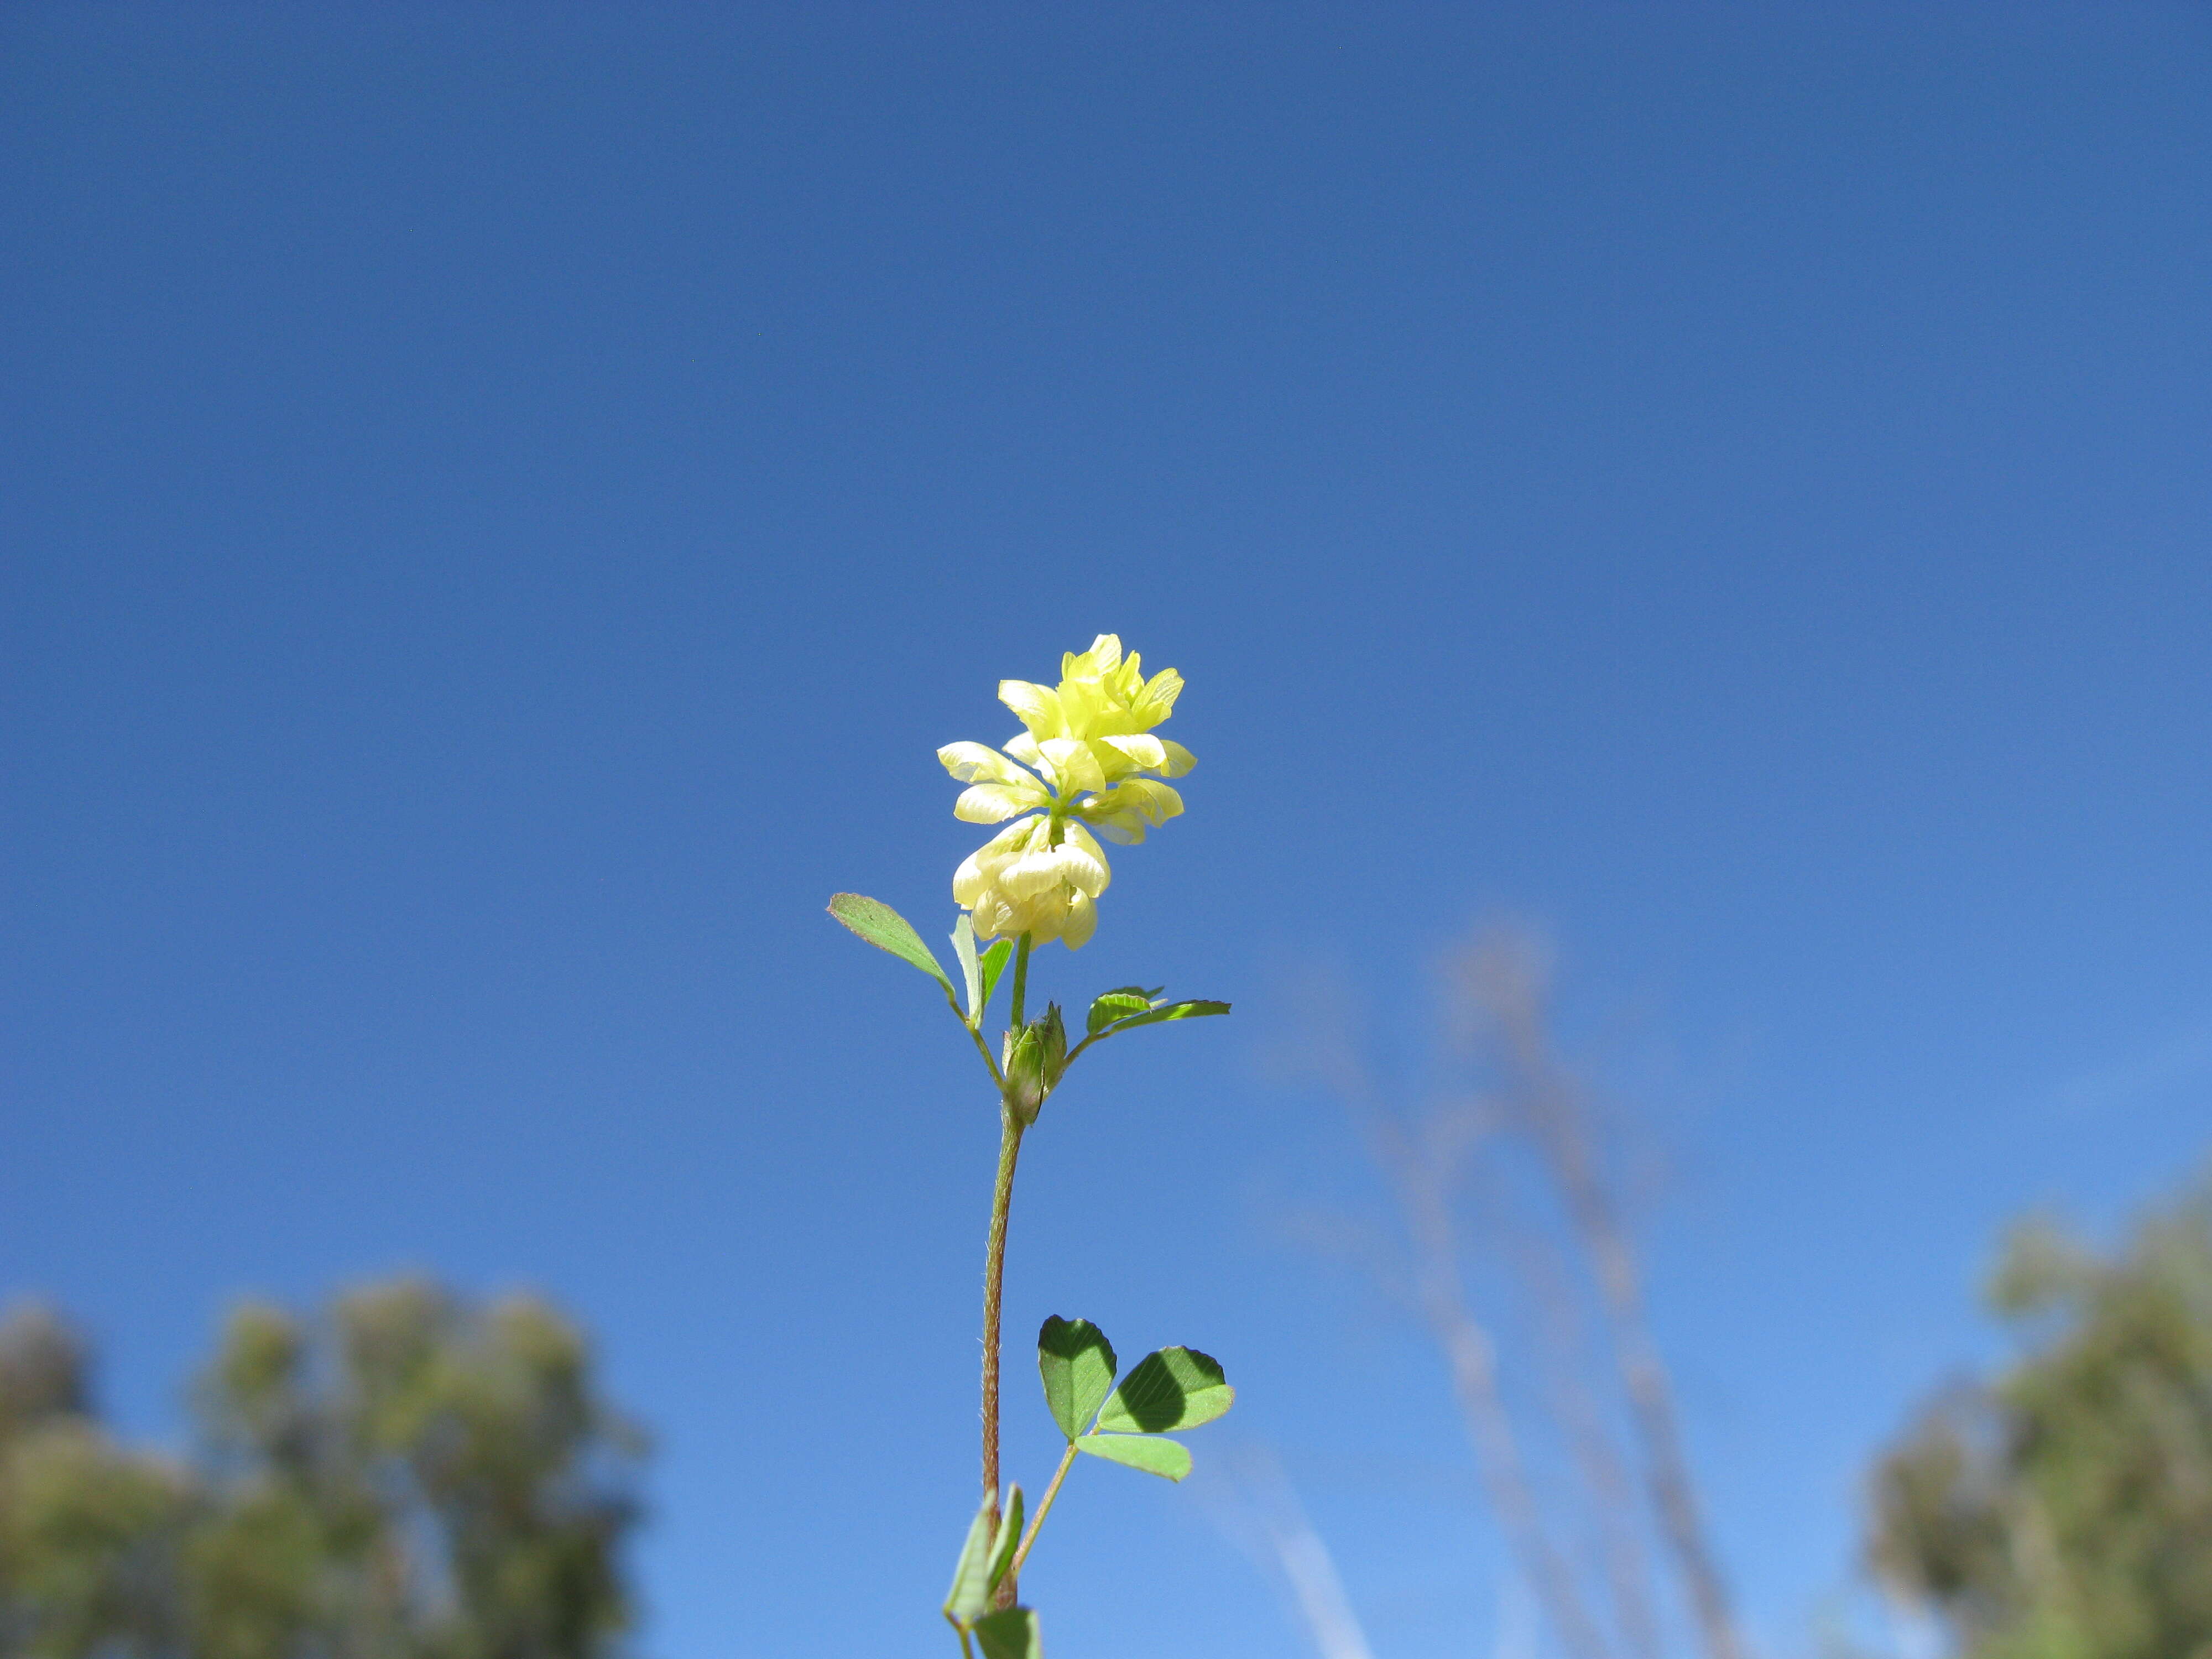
(975, 763)
(1142, 750)
(1037, 707)
(1074, 764)
(993, 803)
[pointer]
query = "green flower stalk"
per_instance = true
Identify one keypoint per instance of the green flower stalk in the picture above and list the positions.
(1086, 759)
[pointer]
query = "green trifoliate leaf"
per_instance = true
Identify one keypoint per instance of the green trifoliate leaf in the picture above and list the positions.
(1077, 1364)
(886, 929)
(1010, 1534)
(970, 1595)
(1153, 1454)
(994, 963)
(1011, 1633)
(963, 948)
(1173, 1388)
(1117, 1005)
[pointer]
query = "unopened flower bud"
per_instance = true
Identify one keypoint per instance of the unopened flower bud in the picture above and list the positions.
(1035, 1057)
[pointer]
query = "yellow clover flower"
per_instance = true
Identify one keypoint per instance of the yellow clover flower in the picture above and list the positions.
(1089, 747)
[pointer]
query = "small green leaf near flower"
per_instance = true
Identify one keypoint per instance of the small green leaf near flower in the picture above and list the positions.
(1113, 1006)
(971, 970)
(1195, 1010)
(994, 965)
(887, 930)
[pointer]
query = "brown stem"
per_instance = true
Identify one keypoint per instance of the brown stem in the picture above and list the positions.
(995, 1274)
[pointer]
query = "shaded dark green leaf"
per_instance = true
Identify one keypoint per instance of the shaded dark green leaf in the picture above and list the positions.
(1077, 1364)
(1173, 1388)
(1011, 1633)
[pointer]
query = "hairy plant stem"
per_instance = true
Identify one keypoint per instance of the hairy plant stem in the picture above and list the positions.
(995, 1274)
(1044, 1507)
(994, 1270)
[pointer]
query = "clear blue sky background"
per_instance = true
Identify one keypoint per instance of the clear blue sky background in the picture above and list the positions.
(499, 506)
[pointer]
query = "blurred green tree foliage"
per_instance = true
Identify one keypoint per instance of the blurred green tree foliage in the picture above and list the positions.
(407, 1477)
(2065, 1511)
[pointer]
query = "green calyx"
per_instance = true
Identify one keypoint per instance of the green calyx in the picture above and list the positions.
(1036, 1057)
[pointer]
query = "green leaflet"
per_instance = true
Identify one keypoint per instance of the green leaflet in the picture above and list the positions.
(886, 929)
(1011, 1633)
(1010, 1534)
(983, 1561)
(972, 1583)
(1173, 1388)
(1077, 1364)
(995, 963)
(964, 947)
(1171, 1011)
(1153, 1454)
(1113, 1006)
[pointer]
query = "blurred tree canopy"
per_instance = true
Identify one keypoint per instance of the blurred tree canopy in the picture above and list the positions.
(406, 1477)
(2065, 1511)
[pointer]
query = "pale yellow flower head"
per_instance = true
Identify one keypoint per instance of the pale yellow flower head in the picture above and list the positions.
(1020, 883)
(1091, 759)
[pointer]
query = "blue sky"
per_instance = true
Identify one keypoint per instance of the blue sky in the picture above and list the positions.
(499, 506)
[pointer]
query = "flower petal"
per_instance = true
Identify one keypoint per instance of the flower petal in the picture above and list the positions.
(995, 803)
(1080, 839)
(1157, 700)
(1141, 750)
(1084, 869)
(1154, 803)
(976, 762)
(1103, 657)
(967, 884)
(1087, 709)
(1074, 764)
(1180, 759)
(1033, 873)
(1122, 829)
(1082, 921)
(991, 916)
(1036, 705)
